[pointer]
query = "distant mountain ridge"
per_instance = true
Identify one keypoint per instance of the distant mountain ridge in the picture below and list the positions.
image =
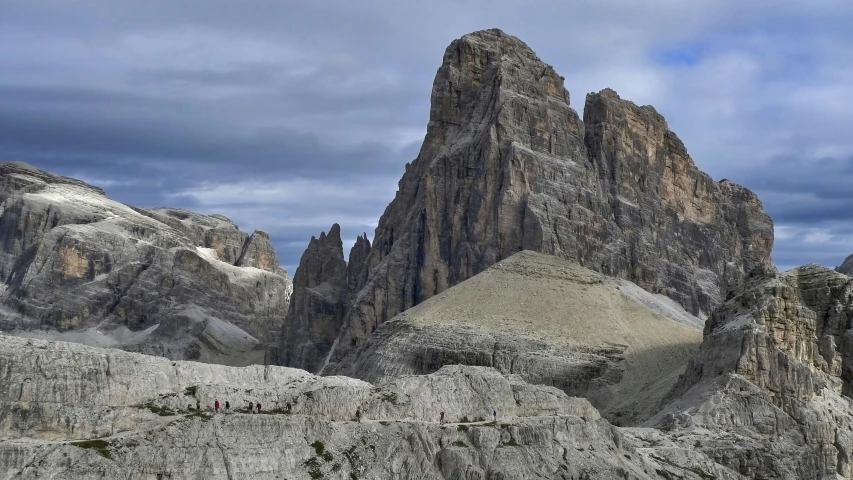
(77, 265)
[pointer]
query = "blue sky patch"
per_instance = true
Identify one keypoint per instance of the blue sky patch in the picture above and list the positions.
(685, 55)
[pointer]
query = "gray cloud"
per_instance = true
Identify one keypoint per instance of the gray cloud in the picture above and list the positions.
(171, 102)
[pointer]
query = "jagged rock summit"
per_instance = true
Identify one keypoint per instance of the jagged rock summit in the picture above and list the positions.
(507, 165)
(317, 313)
(79, 266)
(846, 266)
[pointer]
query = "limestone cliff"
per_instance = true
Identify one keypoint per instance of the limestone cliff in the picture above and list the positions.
(508, 165)
(258, 252)
(73, 412)
(319, 302)
(357, 263)
(773, 375)
(79, 266)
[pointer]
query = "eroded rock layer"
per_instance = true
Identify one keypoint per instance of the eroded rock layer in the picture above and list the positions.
(772, 379)
(79, 266)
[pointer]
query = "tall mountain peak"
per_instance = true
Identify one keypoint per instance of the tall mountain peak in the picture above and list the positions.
(507, 165)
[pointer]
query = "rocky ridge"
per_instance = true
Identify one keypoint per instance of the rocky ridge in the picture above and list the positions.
(768, 394)
(79, 266)
(71, 411)
(507, 165)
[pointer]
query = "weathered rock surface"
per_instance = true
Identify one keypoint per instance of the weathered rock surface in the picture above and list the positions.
(79, 266)
(140, 417)
(508, 165)
(357, 263)
(319, 303)
(550, 321)
(768, 393)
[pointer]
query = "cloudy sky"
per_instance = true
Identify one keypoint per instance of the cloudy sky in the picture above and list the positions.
(290, 115)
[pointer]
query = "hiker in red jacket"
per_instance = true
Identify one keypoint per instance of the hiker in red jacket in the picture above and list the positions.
(259, 407)
(216, 406)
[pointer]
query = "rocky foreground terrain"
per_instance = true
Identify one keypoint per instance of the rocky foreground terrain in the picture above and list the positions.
(69, 411)
(508, 165)
(769, 389)
(766, 396)
(76, 265)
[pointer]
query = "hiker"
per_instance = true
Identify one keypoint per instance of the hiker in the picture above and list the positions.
(358, 415)
(227, 406)
(441, 419)
(251, 408)
(495, 415)
(216, 406)
(259, 407)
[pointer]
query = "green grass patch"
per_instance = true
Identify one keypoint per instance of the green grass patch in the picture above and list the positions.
(462, 428)
(200, 415)
(161, 410)
(275, 411)
(100, 446)
(510, 443)
(389, 397)
(191, 391)
(313, 468)
(460, 443)
(319, 447)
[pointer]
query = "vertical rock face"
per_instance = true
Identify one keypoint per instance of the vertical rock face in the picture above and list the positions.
(508, 165)
(165, 281)
(356, 265)
(258, 253)
(774, 373)
(318, 304)
(673, 229)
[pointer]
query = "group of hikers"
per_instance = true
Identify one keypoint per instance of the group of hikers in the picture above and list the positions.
(357, 414)
(228, 407)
